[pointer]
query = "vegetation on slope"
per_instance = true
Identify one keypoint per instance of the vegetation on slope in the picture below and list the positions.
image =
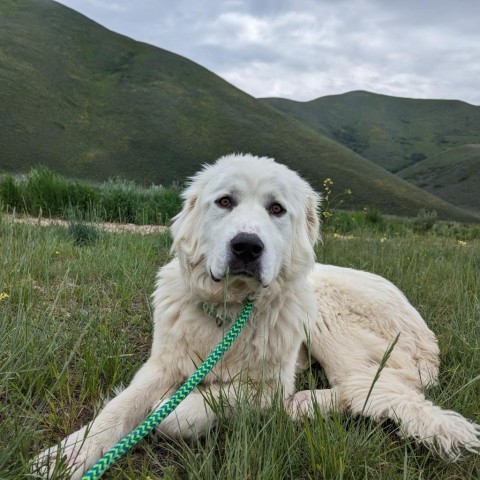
(453, 175)
(93, 104)
(390, 131)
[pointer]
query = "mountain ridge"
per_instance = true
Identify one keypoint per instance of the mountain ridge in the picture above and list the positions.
(393, 132)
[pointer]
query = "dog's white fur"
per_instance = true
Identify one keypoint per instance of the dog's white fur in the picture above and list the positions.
(349, 318)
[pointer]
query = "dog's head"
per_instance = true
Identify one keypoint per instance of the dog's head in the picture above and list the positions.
(247, 218)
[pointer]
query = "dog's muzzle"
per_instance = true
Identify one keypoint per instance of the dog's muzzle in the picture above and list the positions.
(245, 255)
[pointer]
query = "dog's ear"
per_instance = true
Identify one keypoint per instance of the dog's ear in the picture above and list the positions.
(190, 203)
(313, 221)
(183, 226)
(305, 234)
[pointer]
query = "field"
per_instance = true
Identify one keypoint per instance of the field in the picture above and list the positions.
(75, 321)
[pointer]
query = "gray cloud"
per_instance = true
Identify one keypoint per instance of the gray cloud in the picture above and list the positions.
(303, 49)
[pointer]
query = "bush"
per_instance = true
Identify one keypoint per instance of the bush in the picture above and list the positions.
(373, 216)
(118, 201)
(43, 192)
(82, 233)
(83, 197)
(456, 230)
(10, 194)
(122, 201)
(424, 221)
(160, 205)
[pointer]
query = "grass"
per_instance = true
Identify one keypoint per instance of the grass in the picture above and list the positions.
(43, 192)
(75, 321)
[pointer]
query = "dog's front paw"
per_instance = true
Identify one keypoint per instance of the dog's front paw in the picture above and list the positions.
(61, 461)
(299, 404)
(70, 459)
(309, 402)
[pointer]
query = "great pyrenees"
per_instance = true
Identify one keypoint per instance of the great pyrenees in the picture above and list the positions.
(248, 228)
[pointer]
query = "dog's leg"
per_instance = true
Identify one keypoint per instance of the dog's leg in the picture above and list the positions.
(120, 416)
(308, 402)
(393, 395)
(198, 412)
(192, 418)
(195, 416)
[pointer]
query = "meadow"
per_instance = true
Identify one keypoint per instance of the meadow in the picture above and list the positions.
(75, 322)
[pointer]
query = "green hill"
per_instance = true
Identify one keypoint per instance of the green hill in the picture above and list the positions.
(453, 175)
(93, 104)
(392, 132)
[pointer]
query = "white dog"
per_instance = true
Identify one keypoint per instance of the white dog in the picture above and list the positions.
(248, 228)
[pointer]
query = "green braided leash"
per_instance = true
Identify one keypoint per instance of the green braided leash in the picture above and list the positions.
(169, 406)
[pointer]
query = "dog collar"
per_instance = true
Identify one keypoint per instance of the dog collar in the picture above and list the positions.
(212, 311)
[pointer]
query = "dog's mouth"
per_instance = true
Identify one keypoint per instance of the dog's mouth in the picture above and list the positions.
(241, 270)
(237, 273)
(214, 278)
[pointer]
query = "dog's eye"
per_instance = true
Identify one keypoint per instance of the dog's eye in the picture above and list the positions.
(224, 202)
(276, 209)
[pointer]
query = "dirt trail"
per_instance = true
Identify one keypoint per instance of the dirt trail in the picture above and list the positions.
(104, 226)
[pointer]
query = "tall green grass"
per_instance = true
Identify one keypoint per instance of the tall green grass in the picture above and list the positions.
(75, 321)
(43, 192)
(372, 221)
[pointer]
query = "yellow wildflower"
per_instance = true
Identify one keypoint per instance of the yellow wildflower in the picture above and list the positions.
(4, 296)
(462, 242)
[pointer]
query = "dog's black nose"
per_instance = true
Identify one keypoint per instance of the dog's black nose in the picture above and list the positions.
(247, 247)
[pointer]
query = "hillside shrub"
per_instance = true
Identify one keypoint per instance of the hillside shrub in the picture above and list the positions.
(119, 201)
(424, 221)
(161, 205)
(10, 195)
(82, 233)
(123, 201)
(456, 230)
(373, 216)
(84, 197)
(44, 192)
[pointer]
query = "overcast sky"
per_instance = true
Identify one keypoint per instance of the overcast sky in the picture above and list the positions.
(304, 49)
